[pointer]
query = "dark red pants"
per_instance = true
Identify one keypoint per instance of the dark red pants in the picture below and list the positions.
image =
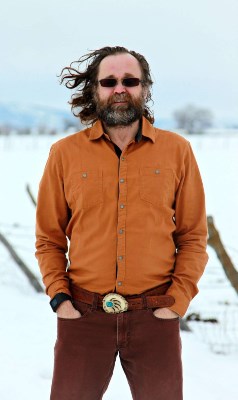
(86, 349)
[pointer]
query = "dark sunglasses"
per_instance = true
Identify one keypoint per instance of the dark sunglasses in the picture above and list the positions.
(112, 82)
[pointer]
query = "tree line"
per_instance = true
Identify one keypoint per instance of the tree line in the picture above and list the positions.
(190, 118)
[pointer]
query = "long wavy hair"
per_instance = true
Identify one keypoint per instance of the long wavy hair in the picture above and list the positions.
(82, 101)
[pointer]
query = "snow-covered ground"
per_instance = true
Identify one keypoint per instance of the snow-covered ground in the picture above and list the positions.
(28, 327)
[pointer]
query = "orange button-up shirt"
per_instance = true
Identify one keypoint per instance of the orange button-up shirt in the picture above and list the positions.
(128, 223)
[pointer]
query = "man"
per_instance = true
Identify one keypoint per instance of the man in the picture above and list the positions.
(130, 200)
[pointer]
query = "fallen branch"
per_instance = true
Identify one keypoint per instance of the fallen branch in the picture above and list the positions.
(215, 242)
(28, 189)
(30, 276)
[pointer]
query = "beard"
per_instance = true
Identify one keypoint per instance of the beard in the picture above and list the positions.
(119, 114)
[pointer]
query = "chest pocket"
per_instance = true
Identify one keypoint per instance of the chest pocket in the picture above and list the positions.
(87, 188)
(157, 185)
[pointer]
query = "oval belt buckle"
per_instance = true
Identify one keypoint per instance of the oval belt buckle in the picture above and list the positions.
(114, 303)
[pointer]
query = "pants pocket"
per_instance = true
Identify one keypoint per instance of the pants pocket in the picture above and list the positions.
(83, 308)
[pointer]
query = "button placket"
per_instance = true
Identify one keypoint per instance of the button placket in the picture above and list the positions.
(122, 197)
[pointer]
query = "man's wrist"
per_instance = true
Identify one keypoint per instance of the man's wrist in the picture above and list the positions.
(58, 299)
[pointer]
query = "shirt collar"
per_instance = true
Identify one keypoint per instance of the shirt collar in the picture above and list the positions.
(145, 129)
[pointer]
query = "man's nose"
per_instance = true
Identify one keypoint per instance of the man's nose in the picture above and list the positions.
(119, 88)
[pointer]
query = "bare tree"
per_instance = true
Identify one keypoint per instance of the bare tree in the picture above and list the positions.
(193, 119)
(75, 124)
(5, 129)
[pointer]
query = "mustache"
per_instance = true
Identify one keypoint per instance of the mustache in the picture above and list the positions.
(119, 97)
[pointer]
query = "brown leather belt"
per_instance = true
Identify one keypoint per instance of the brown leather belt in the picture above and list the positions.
(153, 298)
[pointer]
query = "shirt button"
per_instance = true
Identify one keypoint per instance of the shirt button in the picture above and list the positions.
(119, 283)
(121, 231)
(123, 158)
(157, 171)
(122, 205)
(122, 180)
(84, 175)
(120, 257)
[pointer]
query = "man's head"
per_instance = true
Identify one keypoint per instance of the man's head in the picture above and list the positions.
(114, 87)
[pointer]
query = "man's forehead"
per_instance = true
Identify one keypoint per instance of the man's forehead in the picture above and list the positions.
(119, 64)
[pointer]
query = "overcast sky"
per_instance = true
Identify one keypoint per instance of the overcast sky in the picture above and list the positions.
(191, 46)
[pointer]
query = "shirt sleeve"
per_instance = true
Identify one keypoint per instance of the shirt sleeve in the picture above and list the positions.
(190, 236)
(52, 217)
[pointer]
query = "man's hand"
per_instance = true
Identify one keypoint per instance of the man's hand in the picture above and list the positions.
(165, 313)
(67, 310)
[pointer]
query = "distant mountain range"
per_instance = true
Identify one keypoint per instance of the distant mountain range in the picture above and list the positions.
(20, 116)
